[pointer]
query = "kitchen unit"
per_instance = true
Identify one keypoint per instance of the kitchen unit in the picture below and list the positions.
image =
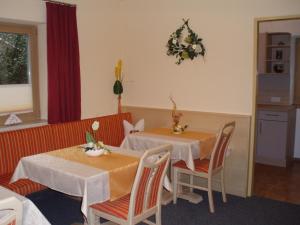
(275, 125)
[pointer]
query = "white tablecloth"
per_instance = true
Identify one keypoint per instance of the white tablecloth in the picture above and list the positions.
(72, 178)
(31, 214)
(183, 149)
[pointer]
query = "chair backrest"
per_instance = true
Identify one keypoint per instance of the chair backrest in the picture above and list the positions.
(147, 187)
(217, 158)
(11, 211)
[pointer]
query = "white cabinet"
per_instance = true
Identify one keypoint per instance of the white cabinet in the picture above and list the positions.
(274, 144)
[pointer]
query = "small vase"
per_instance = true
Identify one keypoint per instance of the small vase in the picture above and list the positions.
(119, 105)
(95, 152)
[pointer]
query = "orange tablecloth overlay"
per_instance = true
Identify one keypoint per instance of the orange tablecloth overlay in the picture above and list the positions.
(207, 140)
(122, 168)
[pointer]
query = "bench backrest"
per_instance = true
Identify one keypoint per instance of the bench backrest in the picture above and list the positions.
(16, 144)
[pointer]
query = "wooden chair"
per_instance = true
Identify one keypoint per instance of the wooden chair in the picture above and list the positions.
(206, 168)
(10, 211)
(145, 197)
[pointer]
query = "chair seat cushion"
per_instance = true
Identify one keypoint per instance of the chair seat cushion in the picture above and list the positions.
(200, 165)
(118, 208)
(22, 186)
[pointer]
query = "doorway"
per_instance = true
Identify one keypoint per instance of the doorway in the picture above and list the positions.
(277, 139)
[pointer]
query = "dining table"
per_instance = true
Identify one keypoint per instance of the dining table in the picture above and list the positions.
(186, 146)
(31, 215)
(73, 172)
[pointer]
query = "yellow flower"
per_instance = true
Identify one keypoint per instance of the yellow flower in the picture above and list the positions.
(118, 70)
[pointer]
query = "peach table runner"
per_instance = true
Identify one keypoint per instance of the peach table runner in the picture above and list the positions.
(122, 168)
(207, 140)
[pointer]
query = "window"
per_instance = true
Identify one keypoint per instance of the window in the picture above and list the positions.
(18, 72)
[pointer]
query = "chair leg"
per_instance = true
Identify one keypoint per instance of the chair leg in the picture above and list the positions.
(223, 186)
(175, 185)
(158, 217)
(91, 219)
(191, 182)
(210, 197)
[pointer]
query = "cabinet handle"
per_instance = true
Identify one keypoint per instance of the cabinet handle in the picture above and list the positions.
(272, 114)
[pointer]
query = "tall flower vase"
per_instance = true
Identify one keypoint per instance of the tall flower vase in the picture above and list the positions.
(119, 105)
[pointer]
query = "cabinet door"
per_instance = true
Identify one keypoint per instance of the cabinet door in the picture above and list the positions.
(271, 142)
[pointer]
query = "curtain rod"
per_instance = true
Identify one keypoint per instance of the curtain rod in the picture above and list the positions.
(60, 3)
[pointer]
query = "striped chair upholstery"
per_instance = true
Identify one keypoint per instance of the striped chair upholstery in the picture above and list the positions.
(206, 168)
(200, 165)
(118, 208)
(16, 144)
(144, 199)
(22, 186)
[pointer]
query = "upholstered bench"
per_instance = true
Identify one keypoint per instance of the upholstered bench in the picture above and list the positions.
(16, 144)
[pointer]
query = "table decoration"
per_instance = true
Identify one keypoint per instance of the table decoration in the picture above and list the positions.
(118, 87)
(188, 47)
(176, 127)
(93, 147)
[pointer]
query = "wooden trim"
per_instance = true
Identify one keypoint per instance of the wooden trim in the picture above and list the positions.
(188, 111)
(31, 30)
(276, 18)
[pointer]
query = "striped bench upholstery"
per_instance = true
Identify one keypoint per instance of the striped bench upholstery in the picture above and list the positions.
(20, 143)
(22, 186)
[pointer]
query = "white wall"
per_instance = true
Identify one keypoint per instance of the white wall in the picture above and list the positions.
(137, 31)
(223, 82)
(99, 42)
(97, 20)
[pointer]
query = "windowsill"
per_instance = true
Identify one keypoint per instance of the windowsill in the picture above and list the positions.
(23, 125)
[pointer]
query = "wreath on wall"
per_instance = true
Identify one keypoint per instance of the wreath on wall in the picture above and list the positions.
(187, 47)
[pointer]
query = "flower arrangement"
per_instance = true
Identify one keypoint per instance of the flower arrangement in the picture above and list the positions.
(176, 127)
(92, 144)
(193, 44)
(118, 87)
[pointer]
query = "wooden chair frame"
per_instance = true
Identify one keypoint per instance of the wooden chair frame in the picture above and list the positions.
(15, 210)
(226, 131)
(160, 155)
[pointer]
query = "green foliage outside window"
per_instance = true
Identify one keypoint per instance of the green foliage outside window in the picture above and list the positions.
(13, 58)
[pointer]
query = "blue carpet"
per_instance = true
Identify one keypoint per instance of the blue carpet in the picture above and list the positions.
(62, 210)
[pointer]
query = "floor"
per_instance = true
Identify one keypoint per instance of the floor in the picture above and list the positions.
(278, 183)
(60, 209)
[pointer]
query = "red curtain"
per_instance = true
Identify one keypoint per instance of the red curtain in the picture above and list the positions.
(64, 98)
